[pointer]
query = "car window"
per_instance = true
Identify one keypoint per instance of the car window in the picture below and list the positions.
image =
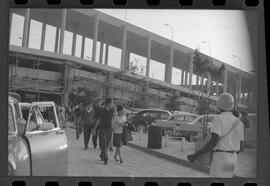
(144, 114)
(11, 123)
(48, 114)
(164, 115)
(154, 114)
(33, 124)
(179, 118)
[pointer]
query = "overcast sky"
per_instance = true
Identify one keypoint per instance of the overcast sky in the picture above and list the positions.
(225, 30)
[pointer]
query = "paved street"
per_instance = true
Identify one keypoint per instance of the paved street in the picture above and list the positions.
(136, 163)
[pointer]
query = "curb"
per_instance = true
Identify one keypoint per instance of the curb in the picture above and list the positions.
(171, 158)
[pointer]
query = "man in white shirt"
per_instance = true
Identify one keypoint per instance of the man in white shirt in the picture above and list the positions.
(227, 132)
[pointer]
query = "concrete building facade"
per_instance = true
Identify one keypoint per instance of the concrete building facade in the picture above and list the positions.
(76, 48)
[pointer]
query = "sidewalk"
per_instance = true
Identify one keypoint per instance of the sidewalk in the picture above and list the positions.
(176, 152)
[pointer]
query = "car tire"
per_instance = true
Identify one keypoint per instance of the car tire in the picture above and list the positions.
(141, 126)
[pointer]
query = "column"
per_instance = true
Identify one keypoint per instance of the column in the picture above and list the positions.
(82, 49)
(168, 72)
(110, 85)
(197, 80)
(127, 58)
(217, 88)
(44, 18)
(124, 46)
(209, 83)
(186, 76)
(73, 50)
(225, 79)
(239, 88)
(63, 27)
(191, 70)
(56, 40)
(148, 55)
(182, 77)
(106, 54)
(101, 52)
(96, 21)
(68, 75)
(26, 27)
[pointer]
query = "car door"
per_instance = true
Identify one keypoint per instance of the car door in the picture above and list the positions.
(47, 141)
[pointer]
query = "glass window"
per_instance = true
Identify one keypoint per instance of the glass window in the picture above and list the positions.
(78, 48)
(157, 70)
(33, 125)
(11, 124)
(16, 33)
(176, 76)
(68, 38)
(180, 118)
(50, 35)
(48, 115)
(97, 51)
(139, 62)
(114, 57)
(164, 115)
(35, 34)
(154, 114)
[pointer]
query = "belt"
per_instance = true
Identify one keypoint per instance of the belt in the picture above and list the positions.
(226, 151)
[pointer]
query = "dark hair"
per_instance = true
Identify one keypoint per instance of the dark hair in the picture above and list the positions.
(108, 101)
(119, 108)
(235, 113)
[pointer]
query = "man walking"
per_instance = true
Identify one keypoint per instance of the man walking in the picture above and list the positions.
(98, 109)
(78, 114)
(104, 122)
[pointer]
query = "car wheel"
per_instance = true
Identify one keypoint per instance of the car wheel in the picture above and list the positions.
(193, 137)
(140, 127)
(10, 170)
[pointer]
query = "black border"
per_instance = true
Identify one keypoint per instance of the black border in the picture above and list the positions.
(263, 150)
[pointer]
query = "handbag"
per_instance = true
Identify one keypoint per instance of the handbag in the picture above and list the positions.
(206, 158)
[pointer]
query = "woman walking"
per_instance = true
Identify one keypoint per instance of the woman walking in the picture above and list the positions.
(226, 134)
(118, 124)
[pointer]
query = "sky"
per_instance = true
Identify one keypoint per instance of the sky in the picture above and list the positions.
(224, 31)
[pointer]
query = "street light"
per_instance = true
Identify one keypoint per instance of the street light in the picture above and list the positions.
(240, 61)
(168, 25)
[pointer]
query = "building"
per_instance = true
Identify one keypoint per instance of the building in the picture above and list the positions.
(76, 48)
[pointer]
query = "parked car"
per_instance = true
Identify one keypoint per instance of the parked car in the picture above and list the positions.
(190, 130)
(36, 146)
(144, 118)
(171, 123)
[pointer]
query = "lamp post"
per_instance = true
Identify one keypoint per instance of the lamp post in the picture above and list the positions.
(240, 61)
(168, 25)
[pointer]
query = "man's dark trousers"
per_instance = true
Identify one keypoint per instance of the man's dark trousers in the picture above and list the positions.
(94, 138)
(104, 137)
(87, 129)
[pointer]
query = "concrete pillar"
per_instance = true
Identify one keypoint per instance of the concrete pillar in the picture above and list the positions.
(96, 22)
(106, 54)
(148, 55)
(239, 88)
(127, 58)
(110, 85)
(63, 27)
(101, 52)
(82, 47)
(68, 75)
(209, 83)
(225, 79)
(186, 77)
(197, 80)
(43, 31)
(26, 28)
(182, 77)
(169, 66)
(73, 50)
(191, 70)
(145, 90)
(217, 89)
(56, 40)
(124, 46)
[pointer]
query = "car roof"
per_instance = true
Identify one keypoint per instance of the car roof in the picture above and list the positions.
(153, 110)
(184, 113)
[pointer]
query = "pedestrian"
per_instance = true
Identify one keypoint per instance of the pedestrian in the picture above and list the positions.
(88, 122)
(77, 114)
(104, 122)
(226, 134)
(98, 107)
(61, 117)
(118, 123)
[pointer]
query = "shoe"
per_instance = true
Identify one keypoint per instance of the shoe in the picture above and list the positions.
(85, 148)
(95, 147)
(114, 157)
(105, 162)
(121, 161)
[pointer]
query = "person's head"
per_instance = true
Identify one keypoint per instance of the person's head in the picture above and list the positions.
(89, 105)
(235, 113)
(244, 114)
(120, 110)
(98, 102)
(109, 103)
(225, 102)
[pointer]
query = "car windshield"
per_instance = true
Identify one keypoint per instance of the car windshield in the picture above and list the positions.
(184, 118)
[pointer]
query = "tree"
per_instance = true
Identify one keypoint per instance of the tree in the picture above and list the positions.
(174, 101)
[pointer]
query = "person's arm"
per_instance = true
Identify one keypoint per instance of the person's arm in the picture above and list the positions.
(96, 124)
(208, 147)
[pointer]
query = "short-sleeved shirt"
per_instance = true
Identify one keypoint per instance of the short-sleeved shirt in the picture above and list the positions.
(105, 117)
(118, 123)
(222, 123)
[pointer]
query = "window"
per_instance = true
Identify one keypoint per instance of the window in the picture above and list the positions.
(16, 32)
(114, 57)
(78, 47)
(164, 115)
(68, 38)
(50, 35)
(35, 34)
(88, 44)
(145, 114)
(157, 70)
(154, 115)
(33, 125)
(47, 114)
(11, 123)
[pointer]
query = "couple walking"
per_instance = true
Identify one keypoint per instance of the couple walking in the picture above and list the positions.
(110, 120)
